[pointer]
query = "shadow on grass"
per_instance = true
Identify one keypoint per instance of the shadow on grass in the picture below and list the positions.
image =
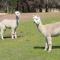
(20, 34)
(7, 36)
(10, 36)
(53, 47)
(38, 47)
(56, 47)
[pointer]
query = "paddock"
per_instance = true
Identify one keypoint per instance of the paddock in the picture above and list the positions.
(29, 44)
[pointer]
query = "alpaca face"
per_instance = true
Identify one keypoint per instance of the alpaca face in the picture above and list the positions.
(36, 20)
(17, 13)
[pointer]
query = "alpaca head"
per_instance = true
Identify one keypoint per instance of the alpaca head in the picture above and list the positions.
(36, 19)
(17, 13)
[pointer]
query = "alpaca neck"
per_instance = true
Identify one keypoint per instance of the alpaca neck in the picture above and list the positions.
(40, 24)
(17, 20)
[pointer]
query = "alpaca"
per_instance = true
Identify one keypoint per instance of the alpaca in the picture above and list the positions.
(10, 23)
(48, 31)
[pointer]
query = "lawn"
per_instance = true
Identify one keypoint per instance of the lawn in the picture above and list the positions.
(30, 42)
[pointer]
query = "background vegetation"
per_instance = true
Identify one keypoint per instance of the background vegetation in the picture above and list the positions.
(29, 5)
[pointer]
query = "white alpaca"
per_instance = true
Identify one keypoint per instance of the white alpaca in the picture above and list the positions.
(48, 31)
(10, 23)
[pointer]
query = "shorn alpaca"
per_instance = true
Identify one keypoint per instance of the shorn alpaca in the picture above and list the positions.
(10, 23)
(48, 31)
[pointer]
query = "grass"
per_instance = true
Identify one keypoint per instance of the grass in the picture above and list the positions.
(29, 44)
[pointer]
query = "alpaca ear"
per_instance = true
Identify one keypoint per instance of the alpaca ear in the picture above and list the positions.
(33, 15)
(38, 16)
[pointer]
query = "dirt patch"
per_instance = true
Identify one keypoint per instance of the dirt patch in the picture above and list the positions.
(29, 16)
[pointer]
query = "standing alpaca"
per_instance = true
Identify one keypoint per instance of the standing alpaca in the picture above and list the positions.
(48, 31)
(10, 23)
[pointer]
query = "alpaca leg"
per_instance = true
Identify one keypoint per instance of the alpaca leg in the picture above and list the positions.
(46, 45)
(15, 35)
(2, 34)
(49, 43)
(12, 34)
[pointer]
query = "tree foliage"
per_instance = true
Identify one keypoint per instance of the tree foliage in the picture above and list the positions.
(28, 5)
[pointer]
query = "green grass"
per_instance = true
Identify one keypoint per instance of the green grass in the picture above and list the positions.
(29, 44)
